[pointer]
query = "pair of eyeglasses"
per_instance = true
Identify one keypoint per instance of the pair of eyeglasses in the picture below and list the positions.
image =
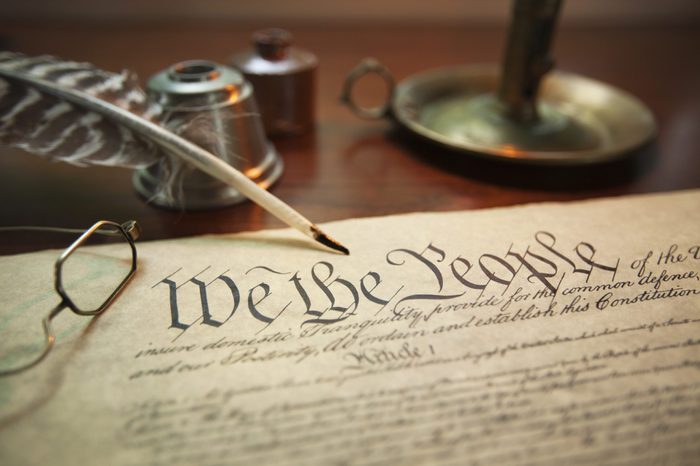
(87, 279)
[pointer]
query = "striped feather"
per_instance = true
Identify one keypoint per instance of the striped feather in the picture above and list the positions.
(52, 127)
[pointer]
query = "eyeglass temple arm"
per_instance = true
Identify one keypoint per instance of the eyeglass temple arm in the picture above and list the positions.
(131, 227)
(49, 336)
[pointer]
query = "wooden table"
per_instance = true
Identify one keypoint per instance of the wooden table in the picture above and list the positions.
(354, 168)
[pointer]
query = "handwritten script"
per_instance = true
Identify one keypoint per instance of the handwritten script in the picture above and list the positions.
(544, 334)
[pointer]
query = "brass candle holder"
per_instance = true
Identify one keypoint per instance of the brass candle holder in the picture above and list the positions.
(523, 112)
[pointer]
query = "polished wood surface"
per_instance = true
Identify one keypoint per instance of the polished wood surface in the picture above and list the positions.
(354, 168)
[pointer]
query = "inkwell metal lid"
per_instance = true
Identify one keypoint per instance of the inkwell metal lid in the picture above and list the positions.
(213, 106)
(274, 54)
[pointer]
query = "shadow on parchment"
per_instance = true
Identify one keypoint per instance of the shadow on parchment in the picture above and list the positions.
(42, 386)
(261, 240)
(520, 175)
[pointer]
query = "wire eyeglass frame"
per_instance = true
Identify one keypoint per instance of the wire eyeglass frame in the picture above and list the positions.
(129, 230)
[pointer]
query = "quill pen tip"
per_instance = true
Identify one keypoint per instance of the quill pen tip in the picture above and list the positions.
(329, 242)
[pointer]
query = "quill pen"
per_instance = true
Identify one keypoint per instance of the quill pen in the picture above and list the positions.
(77, 113)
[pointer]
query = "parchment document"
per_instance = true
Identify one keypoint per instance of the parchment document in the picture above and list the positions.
(544, 334)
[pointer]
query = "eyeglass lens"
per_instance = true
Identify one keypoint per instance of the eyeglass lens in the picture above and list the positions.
(97, 268)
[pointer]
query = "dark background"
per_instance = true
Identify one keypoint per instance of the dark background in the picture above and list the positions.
(350, 167)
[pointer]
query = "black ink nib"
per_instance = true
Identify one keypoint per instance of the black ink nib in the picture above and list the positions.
(327, 241)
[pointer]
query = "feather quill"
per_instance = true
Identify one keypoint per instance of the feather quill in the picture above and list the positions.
(80, 114)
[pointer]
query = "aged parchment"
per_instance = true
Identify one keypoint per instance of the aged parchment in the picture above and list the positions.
(542, 334)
